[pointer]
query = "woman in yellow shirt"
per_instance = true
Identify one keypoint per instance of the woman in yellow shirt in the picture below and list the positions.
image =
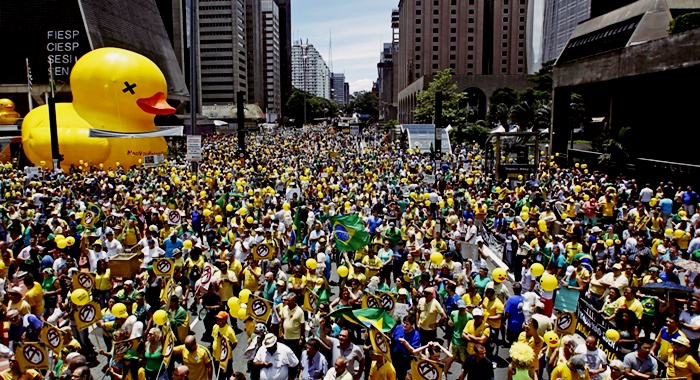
(251, 275)
(103, 283)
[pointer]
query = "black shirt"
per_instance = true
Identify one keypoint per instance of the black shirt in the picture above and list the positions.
(478, 370)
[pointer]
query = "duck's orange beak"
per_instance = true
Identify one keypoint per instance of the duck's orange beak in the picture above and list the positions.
(9, 106)
(156, 105)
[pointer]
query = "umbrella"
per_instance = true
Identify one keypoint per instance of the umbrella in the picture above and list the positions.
(666, 287)
(689, 265)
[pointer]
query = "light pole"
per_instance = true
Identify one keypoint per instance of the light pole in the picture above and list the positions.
(305, 49)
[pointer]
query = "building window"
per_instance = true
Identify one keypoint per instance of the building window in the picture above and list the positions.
(418, 12)
(417, 39)
(520, 61)
(417, 75)
(435, 66)
(505, 27)
(505, 36)
(435, 39)
(453, 39)
(418, 30)
(504, 70)
(471, 2)
(470, 29)
(418, 2)
(504, 61)
(435, 57)
(521, 27)
(417, 57)
(417, 66)
(436, 21)
(505, 44)
(453, 30)
(470, 47)
(520, 53)
(453, 66)
(505, 2)
(453, 48)
(453, 11)
(470, 20)
(418, 21)
(520, 69)
(436, 48)
(470, 38)
(470, 73)
(436, 11)
(505, 19)
(436, 30)
(417, 47)
(521, 36)
(521, 19)
(504, 53)
(453, 21)
(453, 57)
(470, 56)
(470, 65)
(453, 2)
(505, 11)
(522, 2)
(521, 44)
(522, 10)
(471, 11)
(436, 2)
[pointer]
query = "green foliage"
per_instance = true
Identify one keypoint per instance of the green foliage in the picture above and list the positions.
(389, 125)
(543, 77)
(452, 113)
(503, 95)
(577, 111)
(364, 102)
(684, 23)
(612, 146)
(316, 107)
(475, 132)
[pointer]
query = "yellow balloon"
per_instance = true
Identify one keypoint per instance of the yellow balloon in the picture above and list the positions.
(244, 295)
(232, 304)
(609, 242)
(436, 258)
(537, 269)
(250, 220)
(612, 335)
(202, 194)
(187, 244)
(548, 282)
(450, 201)
(668, 232)
(499, 275)
(70, 241)
(218, 218)
(311, 264)
(80, 297)
(59, 237)
(427, 203)
(577, 188)
(160, 317)
(61, 243)
(207, 212)
(243, 211)
(286, 206)
(242, 313)
(678, 234)
(525, 216)
(343, 271)
(229, 207)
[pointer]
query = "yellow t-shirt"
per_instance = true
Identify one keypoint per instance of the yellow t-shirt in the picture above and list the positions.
(293, 322)
(250, 282)
(429, 313)
(197, 361)
(477, 331)
(493, 307)
(226, 331)
(684, 366)
(22, 307)
(537, 347)
(384, 372)
(411, 268)
(472, 300)
(572, 250)
(635, 306)
(103, 281)
(562, 371)
(372, 265)
(35, 299)
(28, 374)
(664, 345)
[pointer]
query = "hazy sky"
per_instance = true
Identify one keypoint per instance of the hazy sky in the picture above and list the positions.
(357, 27)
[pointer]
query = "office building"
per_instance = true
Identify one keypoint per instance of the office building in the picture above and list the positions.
(254, 44)
(471, 37)
(285, 12)
(338, 88)
(271, 60)
(560, 19)
(386, 85)
(601, 7)
(309, 71)
(223, 61)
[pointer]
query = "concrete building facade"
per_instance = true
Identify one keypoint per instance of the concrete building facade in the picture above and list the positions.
(223, 60)
(285, 12)
(254, 44)
(309, 71)
(338, 88)
(271, 60)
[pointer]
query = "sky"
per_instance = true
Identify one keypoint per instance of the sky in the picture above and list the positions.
(358, 28)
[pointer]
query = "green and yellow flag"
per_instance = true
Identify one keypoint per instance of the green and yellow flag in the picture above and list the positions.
(424, 369)
(349, 232)
(376, 317)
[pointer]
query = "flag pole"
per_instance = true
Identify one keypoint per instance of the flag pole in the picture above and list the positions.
(29, 85)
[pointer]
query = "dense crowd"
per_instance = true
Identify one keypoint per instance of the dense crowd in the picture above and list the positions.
(120, 262)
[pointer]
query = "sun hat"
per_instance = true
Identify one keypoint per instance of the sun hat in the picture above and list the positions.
(270, 340)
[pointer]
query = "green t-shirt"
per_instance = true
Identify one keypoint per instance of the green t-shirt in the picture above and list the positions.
(459, 322)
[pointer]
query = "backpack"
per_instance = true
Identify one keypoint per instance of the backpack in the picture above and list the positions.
(195, 273)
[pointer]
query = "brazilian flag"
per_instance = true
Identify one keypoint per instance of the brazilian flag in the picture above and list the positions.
(376, 317)
(96, 210)
(294, 238)
(349, 232)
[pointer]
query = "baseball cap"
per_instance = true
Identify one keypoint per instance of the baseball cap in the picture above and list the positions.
(579, 364)
(222, 315)
(477, 312)
(403, 292)
(280, 283)
(461, 304)
(617, 266)
(570, 269)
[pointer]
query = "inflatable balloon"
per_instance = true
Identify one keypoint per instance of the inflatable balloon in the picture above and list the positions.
(311, 264)
(187, 244)
(552, 339)
(653, 202)
(537, 269)
(160, 317)
(233, 305)
(202, 194)
(450, 201)
(609, 242)
(499, 275)
(668, 232)
(243, 211)
(249, 220)
(524, 216)
(229, 208)
(61, 243)
(427, 203)
(343, 271)
(59, 237)
(243, 296)
(436, 258)
(286, 207)
(542, 225)
(70, 241)
(577, 188)
(678, 234)
(118, 309)
(8, 115)
(114, 90)
(218, 218)
(548, 282)
(207, 213)
(242, 312)
(613, 335)
(80, 297)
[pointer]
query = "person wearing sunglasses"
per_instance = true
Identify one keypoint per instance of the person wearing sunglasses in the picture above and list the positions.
(14, 372)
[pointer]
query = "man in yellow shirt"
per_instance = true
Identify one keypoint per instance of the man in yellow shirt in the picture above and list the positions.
(629, 301)
(428, 311)
(381, 369)
(532, 339)
(680, 363)
(292, 325)
(574, 369)
(476, 331)
(493, 311)
(372, 263)
(196, 358)
(17, 302)
(251, 275)
(222, 328)
(34, 295)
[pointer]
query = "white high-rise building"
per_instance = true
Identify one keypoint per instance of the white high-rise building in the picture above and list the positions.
(309, 71)
(271, 60)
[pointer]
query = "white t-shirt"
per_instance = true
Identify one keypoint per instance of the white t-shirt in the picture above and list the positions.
(471, 234)
(281, 360)
(527, 279)
(691, 319)
(595, 359)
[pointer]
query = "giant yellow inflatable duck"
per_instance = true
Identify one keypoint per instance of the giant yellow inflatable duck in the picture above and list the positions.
(8, 115)
(113, 89)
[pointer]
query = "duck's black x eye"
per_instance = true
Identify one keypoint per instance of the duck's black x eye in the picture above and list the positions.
(129, 87)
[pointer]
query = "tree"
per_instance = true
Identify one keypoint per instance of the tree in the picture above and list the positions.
(452, 113)
(364, 102)
(543, 78)
(500, 104)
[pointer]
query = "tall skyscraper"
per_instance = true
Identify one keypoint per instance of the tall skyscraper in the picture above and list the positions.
(560, 20)
(309, 71)
(337, 88)
(271, 60)
(254, 44)
(484, 37)
(601, 7)
(285, 11)
(386, 88)
(222, 51)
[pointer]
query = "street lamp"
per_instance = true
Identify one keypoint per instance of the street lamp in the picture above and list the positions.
(305, 49)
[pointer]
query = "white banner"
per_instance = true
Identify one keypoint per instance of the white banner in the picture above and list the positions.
(194, 148)
(173, 131)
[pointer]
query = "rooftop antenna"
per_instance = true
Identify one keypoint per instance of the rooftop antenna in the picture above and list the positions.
(330, 51)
